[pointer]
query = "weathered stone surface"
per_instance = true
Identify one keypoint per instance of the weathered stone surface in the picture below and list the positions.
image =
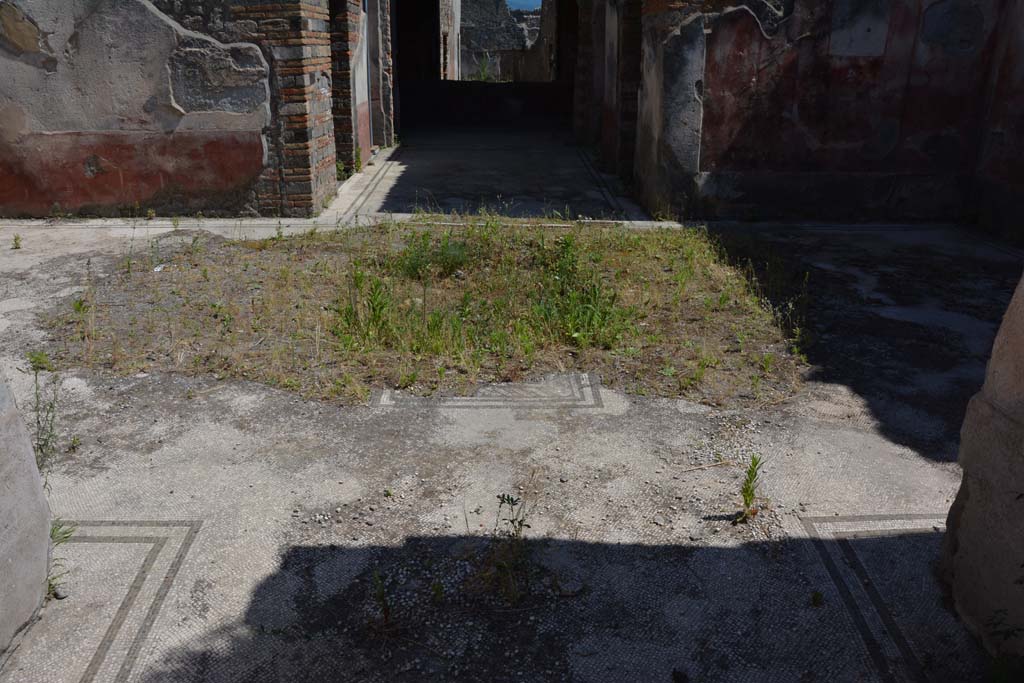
(24, 525)
(846, 109)
(209, 77)
(124, 73)
(20, 36)
(488, 25)
(984, 546)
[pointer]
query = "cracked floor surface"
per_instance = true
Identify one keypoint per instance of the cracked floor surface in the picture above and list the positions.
(233, 532)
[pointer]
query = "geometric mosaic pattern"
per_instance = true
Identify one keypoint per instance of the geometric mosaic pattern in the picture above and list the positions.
(875, 562)
(164, 545)
(572, 391)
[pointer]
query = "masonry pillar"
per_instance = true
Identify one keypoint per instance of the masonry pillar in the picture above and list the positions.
(983, 555)
(300, 175)
(352, 88)
(387, 73)
(621, 85)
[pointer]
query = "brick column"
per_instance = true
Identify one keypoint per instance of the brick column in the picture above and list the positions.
(300, 174)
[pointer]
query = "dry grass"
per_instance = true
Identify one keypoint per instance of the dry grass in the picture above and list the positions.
(431, 308)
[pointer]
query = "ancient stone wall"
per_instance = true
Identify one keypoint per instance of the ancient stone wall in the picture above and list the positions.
(1001, 164)
(24, 525)
(538, 62)
(488, 28)
(379, 39)
(984, 545)
(583, 92)
(529, 22)
(299, 175)
(219, 106)
(351, 109)
(618, 57)
(387, 70)
(176, 126)
(451, 40)
(845, 109)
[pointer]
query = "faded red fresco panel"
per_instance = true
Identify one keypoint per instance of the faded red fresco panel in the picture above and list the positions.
(903, 105)
(749, 95)
(106, 170)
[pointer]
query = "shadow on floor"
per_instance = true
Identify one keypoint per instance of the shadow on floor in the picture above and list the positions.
(903, 317)
(523, 171)
(468, 608)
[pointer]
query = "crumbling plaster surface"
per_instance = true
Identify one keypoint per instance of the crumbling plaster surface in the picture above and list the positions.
(95, 82)
(671, 108)
(984, 546)
(24, 525)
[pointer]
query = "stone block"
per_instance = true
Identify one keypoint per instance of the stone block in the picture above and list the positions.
(983, 556)
(24, 525)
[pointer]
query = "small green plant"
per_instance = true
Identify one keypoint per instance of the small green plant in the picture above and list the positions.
(483, 71)
(340, 172)
(380, 596)
(60, 533)
(513, 525)
(506, 565)
(16, 243)
(46, 397)
(388, 493)
(74, 444)
(150, 214)
(175, 222)
(767, 361)
(357, 161)
(749, 489)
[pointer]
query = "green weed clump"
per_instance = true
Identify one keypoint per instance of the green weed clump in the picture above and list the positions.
(536, 296)
(748, 490)
(45, 405)
(441, 304)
